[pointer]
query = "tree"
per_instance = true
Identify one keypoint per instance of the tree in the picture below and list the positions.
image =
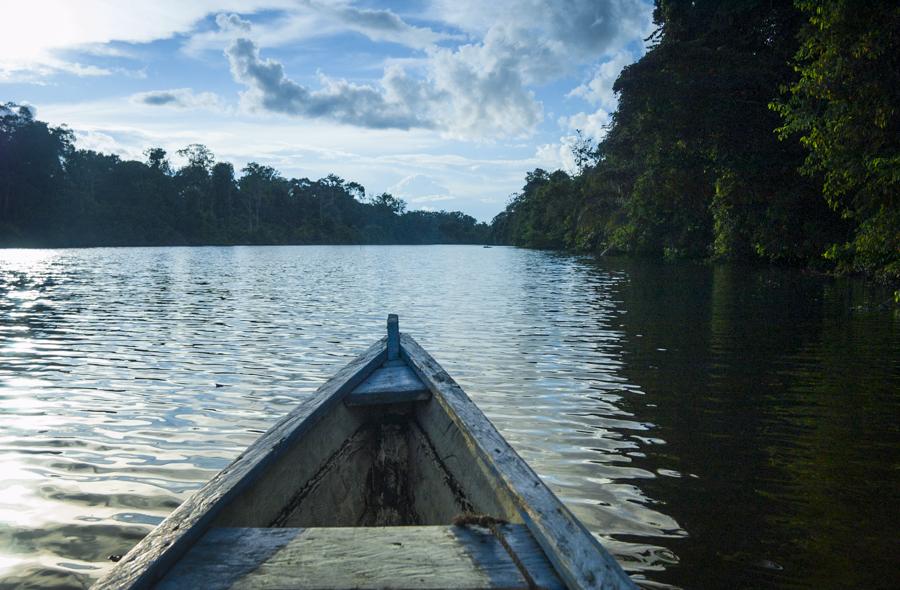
(52, 194)
(193, 181)
(844, 109)
(158, 160)
(32, 173)
(223, 193)
(389, 203)
(198, 156)
(690, 165)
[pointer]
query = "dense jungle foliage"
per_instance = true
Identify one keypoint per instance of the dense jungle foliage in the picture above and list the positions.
(761, 130)
(52, 194)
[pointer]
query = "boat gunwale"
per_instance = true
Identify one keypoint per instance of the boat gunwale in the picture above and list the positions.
(148, 561)
(578, 557)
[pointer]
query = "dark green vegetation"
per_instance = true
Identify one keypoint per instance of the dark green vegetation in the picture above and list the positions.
(754, 130)
(52, 194)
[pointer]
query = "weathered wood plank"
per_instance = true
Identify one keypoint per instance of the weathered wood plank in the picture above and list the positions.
(335, 496)
(577, 556)
(470, 472)
(148, 561)
(420, 557)
(529, 556)
(389, 385)
(437, 497)
(393, 337)
(263, 503)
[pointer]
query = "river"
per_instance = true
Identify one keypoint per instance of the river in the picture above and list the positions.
(715, 426)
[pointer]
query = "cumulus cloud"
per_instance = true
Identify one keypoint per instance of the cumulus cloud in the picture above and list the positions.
(593, 125)
(599, 89)
(182, 98)
(269, 89)
(462, 95)
(550, 38)
(482, 89)
(486, 90)
(557, 156)
(232, 22)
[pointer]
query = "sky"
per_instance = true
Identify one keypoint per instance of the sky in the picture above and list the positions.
(444, 103)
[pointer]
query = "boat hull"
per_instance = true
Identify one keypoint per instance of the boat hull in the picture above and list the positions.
(386, 445)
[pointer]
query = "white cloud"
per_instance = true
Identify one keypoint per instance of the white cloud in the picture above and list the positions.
(478, 90)
(486, 93)
(33, 34)
(182, 98)
(557, 156)
(271, 90)
(599, 89)
(550, 37)
(465, 94)
(593, 125)
(104, 143)
(599, 92)
(232, 22)
(308, 19)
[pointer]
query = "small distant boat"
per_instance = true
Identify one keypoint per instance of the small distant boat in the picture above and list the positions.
(387, 477)
(485, 246)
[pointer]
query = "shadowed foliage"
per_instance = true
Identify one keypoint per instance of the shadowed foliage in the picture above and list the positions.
(52, 194)
(750, 130)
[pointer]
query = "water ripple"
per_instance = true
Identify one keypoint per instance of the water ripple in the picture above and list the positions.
(128, 377)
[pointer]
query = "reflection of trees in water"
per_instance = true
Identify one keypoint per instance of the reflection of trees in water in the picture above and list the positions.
(569, 422)
(777, 399)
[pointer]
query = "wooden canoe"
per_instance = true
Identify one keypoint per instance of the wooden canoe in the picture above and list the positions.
(387, 477)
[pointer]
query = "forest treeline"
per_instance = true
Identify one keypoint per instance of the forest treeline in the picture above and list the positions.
(759, 130)
(53, 194)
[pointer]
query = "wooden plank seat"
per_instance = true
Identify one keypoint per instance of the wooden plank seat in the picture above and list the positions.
(393, 383)
(421, 557)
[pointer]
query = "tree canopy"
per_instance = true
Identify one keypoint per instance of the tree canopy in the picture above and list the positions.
(750, 130)
(844, 107)
(53, 194)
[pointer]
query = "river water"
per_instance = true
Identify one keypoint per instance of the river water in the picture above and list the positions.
(714, 426)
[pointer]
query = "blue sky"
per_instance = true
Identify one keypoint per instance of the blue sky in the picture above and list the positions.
(445, 103)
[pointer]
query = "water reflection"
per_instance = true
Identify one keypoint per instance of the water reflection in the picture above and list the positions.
(782, 403)
(683, 413)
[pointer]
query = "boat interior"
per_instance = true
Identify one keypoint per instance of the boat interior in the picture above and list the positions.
(388, 456)
(385, 490)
